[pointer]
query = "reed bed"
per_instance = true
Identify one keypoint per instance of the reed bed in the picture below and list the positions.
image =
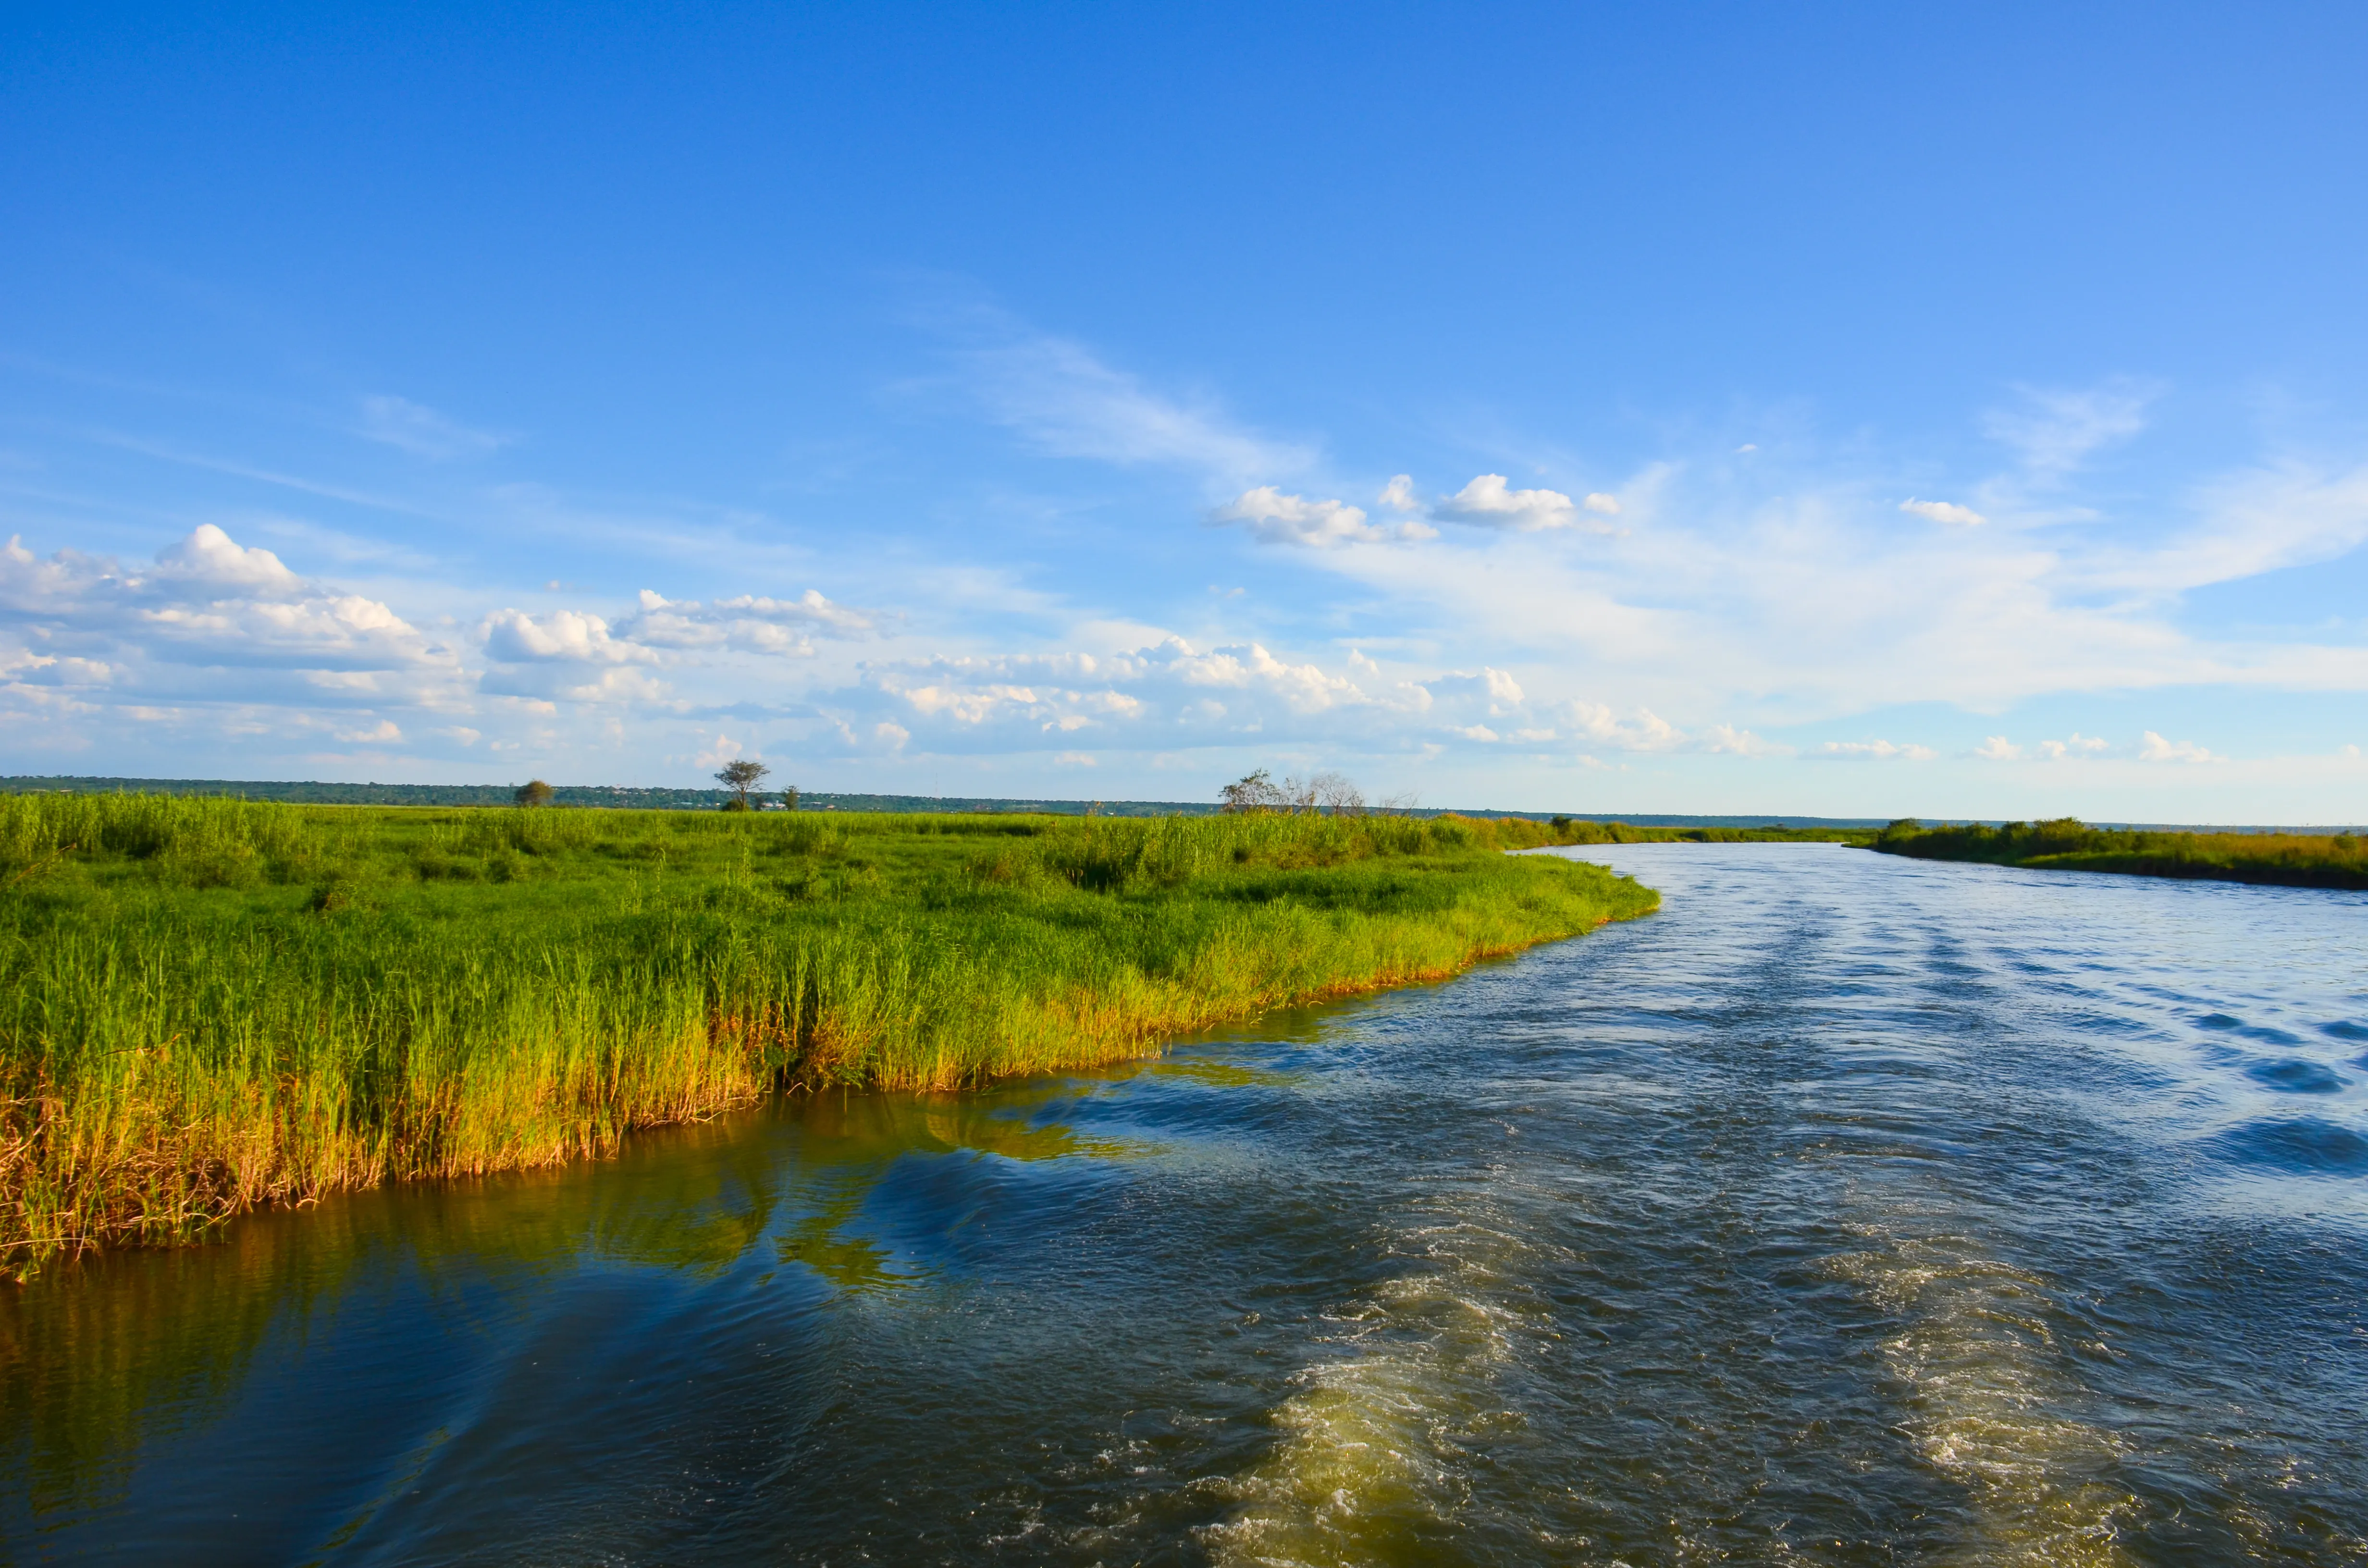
(208, 1004)
(2066, 844)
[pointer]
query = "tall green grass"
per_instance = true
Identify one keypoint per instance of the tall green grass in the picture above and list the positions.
(2066, 844)
(206, 1005)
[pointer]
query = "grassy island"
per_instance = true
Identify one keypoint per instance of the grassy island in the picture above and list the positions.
(207, 1004)
(2066, 844)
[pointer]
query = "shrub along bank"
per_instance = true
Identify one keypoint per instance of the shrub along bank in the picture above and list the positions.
(209, 1004)
(2066, 844)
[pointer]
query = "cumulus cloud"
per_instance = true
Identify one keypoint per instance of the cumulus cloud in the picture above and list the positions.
(1874, 751)
(211, 559)
(515, 637)
(212, 638)
(1727, 739)
(1998, 748)
(1944, 512)
(206, 601)
(2154, 748)
(2075, 744)
(1489, 501)
(1276, 519)
(1641, 730)
(748, 623)
(1164, 694)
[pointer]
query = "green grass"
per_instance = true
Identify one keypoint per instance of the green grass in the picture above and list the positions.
(2315, 860)
(206, 1005)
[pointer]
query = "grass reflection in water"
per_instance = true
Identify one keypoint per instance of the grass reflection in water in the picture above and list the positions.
(101, 1356)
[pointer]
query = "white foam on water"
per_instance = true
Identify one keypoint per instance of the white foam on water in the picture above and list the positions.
(1373, 1444)
(1988, 1402)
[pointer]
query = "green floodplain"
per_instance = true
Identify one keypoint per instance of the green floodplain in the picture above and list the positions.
(207, 1005)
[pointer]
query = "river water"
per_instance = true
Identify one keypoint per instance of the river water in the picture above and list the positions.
(1851, 1210)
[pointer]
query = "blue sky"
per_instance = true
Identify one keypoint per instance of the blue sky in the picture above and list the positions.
(1856, 410)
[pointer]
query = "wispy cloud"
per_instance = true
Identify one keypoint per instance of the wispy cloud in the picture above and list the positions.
(422, 431)
(2055, 431)
(346, 493)
(1066, 400)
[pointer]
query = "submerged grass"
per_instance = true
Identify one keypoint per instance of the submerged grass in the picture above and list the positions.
(2066, 844)
(206, 1005)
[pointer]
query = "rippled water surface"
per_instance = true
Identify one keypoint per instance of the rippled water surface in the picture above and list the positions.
(1851, 1210)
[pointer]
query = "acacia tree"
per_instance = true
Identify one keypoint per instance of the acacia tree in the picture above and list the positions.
(1258, 792)
(740, 775)
(1331, 793)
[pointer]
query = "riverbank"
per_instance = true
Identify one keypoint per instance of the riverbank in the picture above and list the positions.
(2066, 844)
(209, 1004)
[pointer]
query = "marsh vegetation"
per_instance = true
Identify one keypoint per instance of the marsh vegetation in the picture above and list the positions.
(208, 1004)
(2066, 844)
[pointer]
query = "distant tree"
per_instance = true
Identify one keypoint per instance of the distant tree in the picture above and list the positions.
(1331, 793)
(534, 792)
(1256, 792)
(1336, 795)
(789, 799)
(740, 775)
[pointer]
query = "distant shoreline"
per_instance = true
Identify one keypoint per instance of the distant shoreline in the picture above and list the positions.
(649, 798)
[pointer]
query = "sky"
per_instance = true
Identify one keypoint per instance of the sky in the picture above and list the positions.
(1849, 410)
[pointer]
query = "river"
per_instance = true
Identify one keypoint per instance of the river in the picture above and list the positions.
(1851, 1210)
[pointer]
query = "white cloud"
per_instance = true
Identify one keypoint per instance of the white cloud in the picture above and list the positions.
(1488, 503)
(1998, 748)
(207, 601)
(2156, 749)
(1067, 401)
(1874, 751)
(211, 559)
(1944, 512)
(1642, 730)
(2254, 521)
(421, 431)
(2055, 431)
(1398, 494)
(1727, 739)
(748, 623)
(2075, 745)
(513, 636)
(1276, 519)
(723, 749)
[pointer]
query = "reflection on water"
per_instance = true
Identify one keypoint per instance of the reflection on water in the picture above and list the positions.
(1850, 1210)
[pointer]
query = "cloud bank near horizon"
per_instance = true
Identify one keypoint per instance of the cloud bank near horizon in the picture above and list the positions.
(1752, 607)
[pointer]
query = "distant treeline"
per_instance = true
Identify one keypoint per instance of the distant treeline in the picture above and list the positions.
(623, 798)
(2068, 844)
